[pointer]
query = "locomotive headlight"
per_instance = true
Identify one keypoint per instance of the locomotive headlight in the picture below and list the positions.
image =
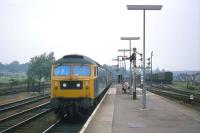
(78, 85)
(64, 85)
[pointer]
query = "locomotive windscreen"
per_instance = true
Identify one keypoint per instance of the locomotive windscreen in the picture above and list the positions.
(81, 70)
(61, 70)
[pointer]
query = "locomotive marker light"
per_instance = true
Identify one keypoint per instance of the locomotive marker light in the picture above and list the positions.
(144, 8)
(130, 38)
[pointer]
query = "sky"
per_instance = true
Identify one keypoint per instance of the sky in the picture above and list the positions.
(94, 27)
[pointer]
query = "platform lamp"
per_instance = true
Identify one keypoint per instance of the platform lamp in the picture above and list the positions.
(117, 64)
(144, 8)
(122, 64)
(124, 59)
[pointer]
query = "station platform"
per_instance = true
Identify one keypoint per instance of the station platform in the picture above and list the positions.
(119, 113)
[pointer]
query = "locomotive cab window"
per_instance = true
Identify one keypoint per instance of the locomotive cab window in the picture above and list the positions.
(79, 70)
(61, 70)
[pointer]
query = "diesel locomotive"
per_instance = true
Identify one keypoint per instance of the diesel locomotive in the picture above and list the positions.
(77, 85)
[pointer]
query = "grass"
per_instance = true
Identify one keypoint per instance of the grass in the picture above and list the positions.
(4, 80)
(183, 85)
(18, 78)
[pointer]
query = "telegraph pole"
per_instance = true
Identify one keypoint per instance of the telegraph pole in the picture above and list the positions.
(124, 50)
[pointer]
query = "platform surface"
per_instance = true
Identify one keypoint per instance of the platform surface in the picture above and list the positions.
(120, 114)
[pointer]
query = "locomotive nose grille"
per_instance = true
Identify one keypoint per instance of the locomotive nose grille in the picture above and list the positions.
(71, 84)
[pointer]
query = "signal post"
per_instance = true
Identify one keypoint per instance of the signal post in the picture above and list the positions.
(133, 59)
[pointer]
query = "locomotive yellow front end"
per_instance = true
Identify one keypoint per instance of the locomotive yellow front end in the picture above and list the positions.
(72, 85)
(77, 84)
(69, 81)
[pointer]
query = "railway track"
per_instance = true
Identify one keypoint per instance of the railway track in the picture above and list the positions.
(39, 119)
(68, 126)
(17, 89)
(65, 126)
(12, 113)
(169, 91)
(18, 120)
(12, 91)
(17, 104)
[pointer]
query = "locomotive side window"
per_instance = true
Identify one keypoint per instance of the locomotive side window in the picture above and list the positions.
(61, 70)
(95, 71)
(81, 70)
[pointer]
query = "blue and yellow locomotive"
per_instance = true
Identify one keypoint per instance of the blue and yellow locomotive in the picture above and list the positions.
(77, 85)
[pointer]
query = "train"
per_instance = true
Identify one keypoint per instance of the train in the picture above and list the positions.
(161, 77)
(77, 85)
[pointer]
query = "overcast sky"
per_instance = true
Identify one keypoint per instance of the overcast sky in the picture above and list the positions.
(94, 27)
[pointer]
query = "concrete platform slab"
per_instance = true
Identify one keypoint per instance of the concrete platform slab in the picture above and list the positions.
(119, 113)
(161, 115)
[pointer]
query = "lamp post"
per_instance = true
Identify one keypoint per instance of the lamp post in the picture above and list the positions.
(151, 66)
(117, 62)
(144, 8)
(122, 65)
(124, 59)
(130, 38)
(117, 68)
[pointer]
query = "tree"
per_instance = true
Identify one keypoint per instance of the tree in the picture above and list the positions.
(40, 66)
(157, 70)
(14, 66)
(1, 66)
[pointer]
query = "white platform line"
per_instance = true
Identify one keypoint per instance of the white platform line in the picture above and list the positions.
(93, 113)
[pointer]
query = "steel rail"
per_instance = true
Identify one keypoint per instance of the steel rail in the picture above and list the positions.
(50, 128)
(14, 127)
(8, 106)
(180, 95)
(23, 112)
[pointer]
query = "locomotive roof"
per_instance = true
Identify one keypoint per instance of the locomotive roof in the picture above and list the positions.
(76, 59)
